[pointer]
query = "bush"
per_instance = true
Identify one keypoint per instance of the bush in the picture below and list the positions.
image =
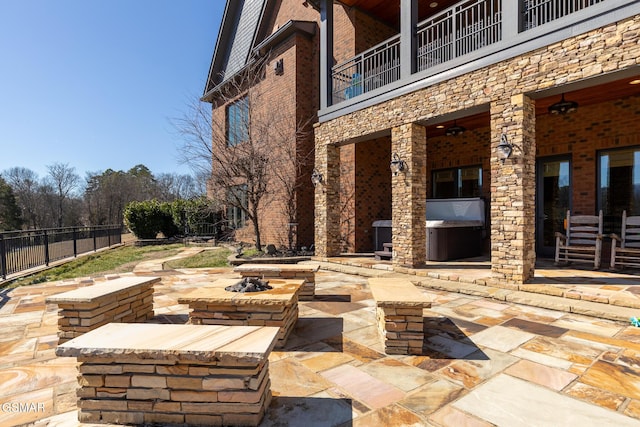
(148, 218)
(144, 219)
(167, 225)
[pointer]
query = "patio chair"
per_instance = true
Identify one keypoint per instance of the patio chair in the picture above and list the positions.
(628, 253)
(583, 241)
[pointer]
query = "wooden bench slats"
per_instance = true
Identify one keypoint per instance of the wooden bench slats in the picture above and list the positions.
(583, 241)
(628, 253)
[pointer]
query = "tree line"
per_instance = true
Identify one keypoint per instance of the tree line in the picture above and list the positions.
(63, 199)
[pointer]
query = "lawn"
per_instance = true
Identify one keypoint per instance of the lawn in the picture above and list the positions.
(118, 260)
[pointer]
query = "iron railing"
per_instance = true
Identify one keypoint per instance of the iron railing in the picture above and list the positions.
(373, 68)
(463, 28)
(458, 31)
(23, 250)
(539, 12)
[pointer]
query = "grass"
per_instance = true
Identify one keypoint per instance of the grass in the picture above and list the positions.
(118, 260)
(123, 259)
(210, 258)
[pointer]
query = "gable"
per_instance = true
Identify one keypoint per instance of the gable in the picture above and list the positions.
(235, 39)
(243, 37)
(251, 27)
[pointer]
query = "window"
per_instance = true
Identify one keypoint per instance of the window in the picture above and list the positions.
(457, 182)
(618, 185)
(238, 122)
(237, 204)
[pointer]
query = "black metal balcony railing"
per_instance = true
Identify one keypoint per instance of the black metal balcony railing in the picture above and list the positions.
(457, 31)
(539, 12)
(462, 29)
(370, 70)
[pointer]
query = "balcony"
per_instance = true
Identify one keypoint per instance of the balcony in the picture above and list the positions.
(463, 33)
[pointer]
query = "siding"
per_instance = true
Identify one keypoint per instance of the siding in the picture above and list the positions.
(243, 37)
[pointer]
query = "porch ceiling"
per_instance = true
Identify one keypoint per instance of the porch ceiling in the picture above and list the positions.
(592, 95)
(388, 11)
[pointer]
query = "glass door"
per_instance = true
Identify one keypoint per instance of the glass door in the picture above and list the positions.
(553, 199)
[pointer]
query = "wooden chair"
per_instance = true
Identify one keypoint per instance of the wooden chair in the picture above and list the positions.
(583, 241)
(628, 253)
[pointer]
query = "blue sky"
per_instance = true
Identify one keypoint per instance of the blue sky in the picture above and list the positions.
(93, 83)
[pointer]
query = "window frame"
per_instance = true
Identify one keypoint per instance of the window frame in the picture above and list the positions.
(237, 121)
(612, 220)
(457, 180)
(237, 216)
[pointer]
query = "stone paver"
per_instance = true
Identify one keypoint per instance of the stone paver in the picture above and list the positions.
(485, 360)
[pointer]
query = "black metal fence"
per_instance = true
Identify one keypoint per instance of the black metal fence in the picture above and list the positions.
(22, 250)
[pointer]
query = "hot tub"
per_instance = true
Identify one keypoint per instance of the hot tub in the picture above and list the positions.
(455, 228)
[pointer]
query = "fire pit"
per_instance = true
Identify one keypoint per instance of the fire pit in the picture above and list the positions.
(218, 304)
(249, 284)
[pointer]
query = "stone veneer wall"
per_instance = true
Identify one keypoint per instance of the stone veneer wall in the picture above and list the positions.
(409, 196)
(598, 52)
(513, 187)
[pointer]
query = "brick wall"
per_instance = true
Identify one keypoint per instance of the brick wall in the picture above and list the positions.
(365, 192)
(291, 101)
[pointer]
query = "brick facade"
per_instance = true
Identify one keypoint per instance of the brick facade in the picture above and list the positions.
(296, 92)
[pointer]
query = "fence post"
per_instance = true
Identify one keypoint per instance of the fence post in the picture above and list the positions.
(95, 245)
(46, 248)
(75, 242)
(3, 257)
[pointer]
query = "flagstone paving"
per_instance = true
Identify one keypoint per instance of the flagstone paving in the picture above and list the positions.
(485, 362)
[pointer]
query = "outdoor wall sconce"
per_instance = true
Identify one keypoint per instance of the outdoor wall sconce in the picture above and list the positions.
(563, 106)
(455, 130)
(278, 67)
(504, 149)
(397, 164)
(316, 178)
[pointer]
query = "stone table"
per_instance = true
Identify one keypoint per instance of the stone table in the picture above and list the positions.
(122, 300)
(173, 374)
(213, 305)
(307, 272)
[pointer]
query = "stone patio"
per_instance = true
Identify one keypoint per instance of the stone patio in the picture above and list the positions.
(487, 359)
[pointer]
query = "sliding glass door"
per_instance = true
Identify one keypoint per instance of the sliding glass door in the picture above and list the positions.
(553, 199)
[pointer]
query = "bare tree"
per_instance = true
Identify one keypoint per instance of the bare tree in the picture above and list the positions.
(26, 187)
(64, 180)
(246, 144)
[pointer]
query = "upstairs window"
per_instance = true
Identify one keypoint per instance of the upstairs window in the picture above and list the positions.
(238, 122)
(457, 182)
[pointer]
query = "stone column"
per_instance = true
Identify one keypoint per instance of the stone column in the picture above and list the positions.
(327, 199)
(409, 196)
(513, 188)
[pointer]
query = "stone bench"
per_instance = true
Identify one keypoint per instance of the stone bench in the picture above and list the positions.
(399, 312)
(211, 304)
(307, 272)
(122, 300)
(156, 374)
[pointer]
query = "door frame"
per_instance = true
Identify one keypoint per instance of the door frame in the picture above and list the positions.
(548, 251)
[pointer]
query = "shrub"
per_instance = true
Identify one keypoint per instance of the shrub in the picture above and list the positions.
(148, 218)
(167, 225)
(144, 219)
